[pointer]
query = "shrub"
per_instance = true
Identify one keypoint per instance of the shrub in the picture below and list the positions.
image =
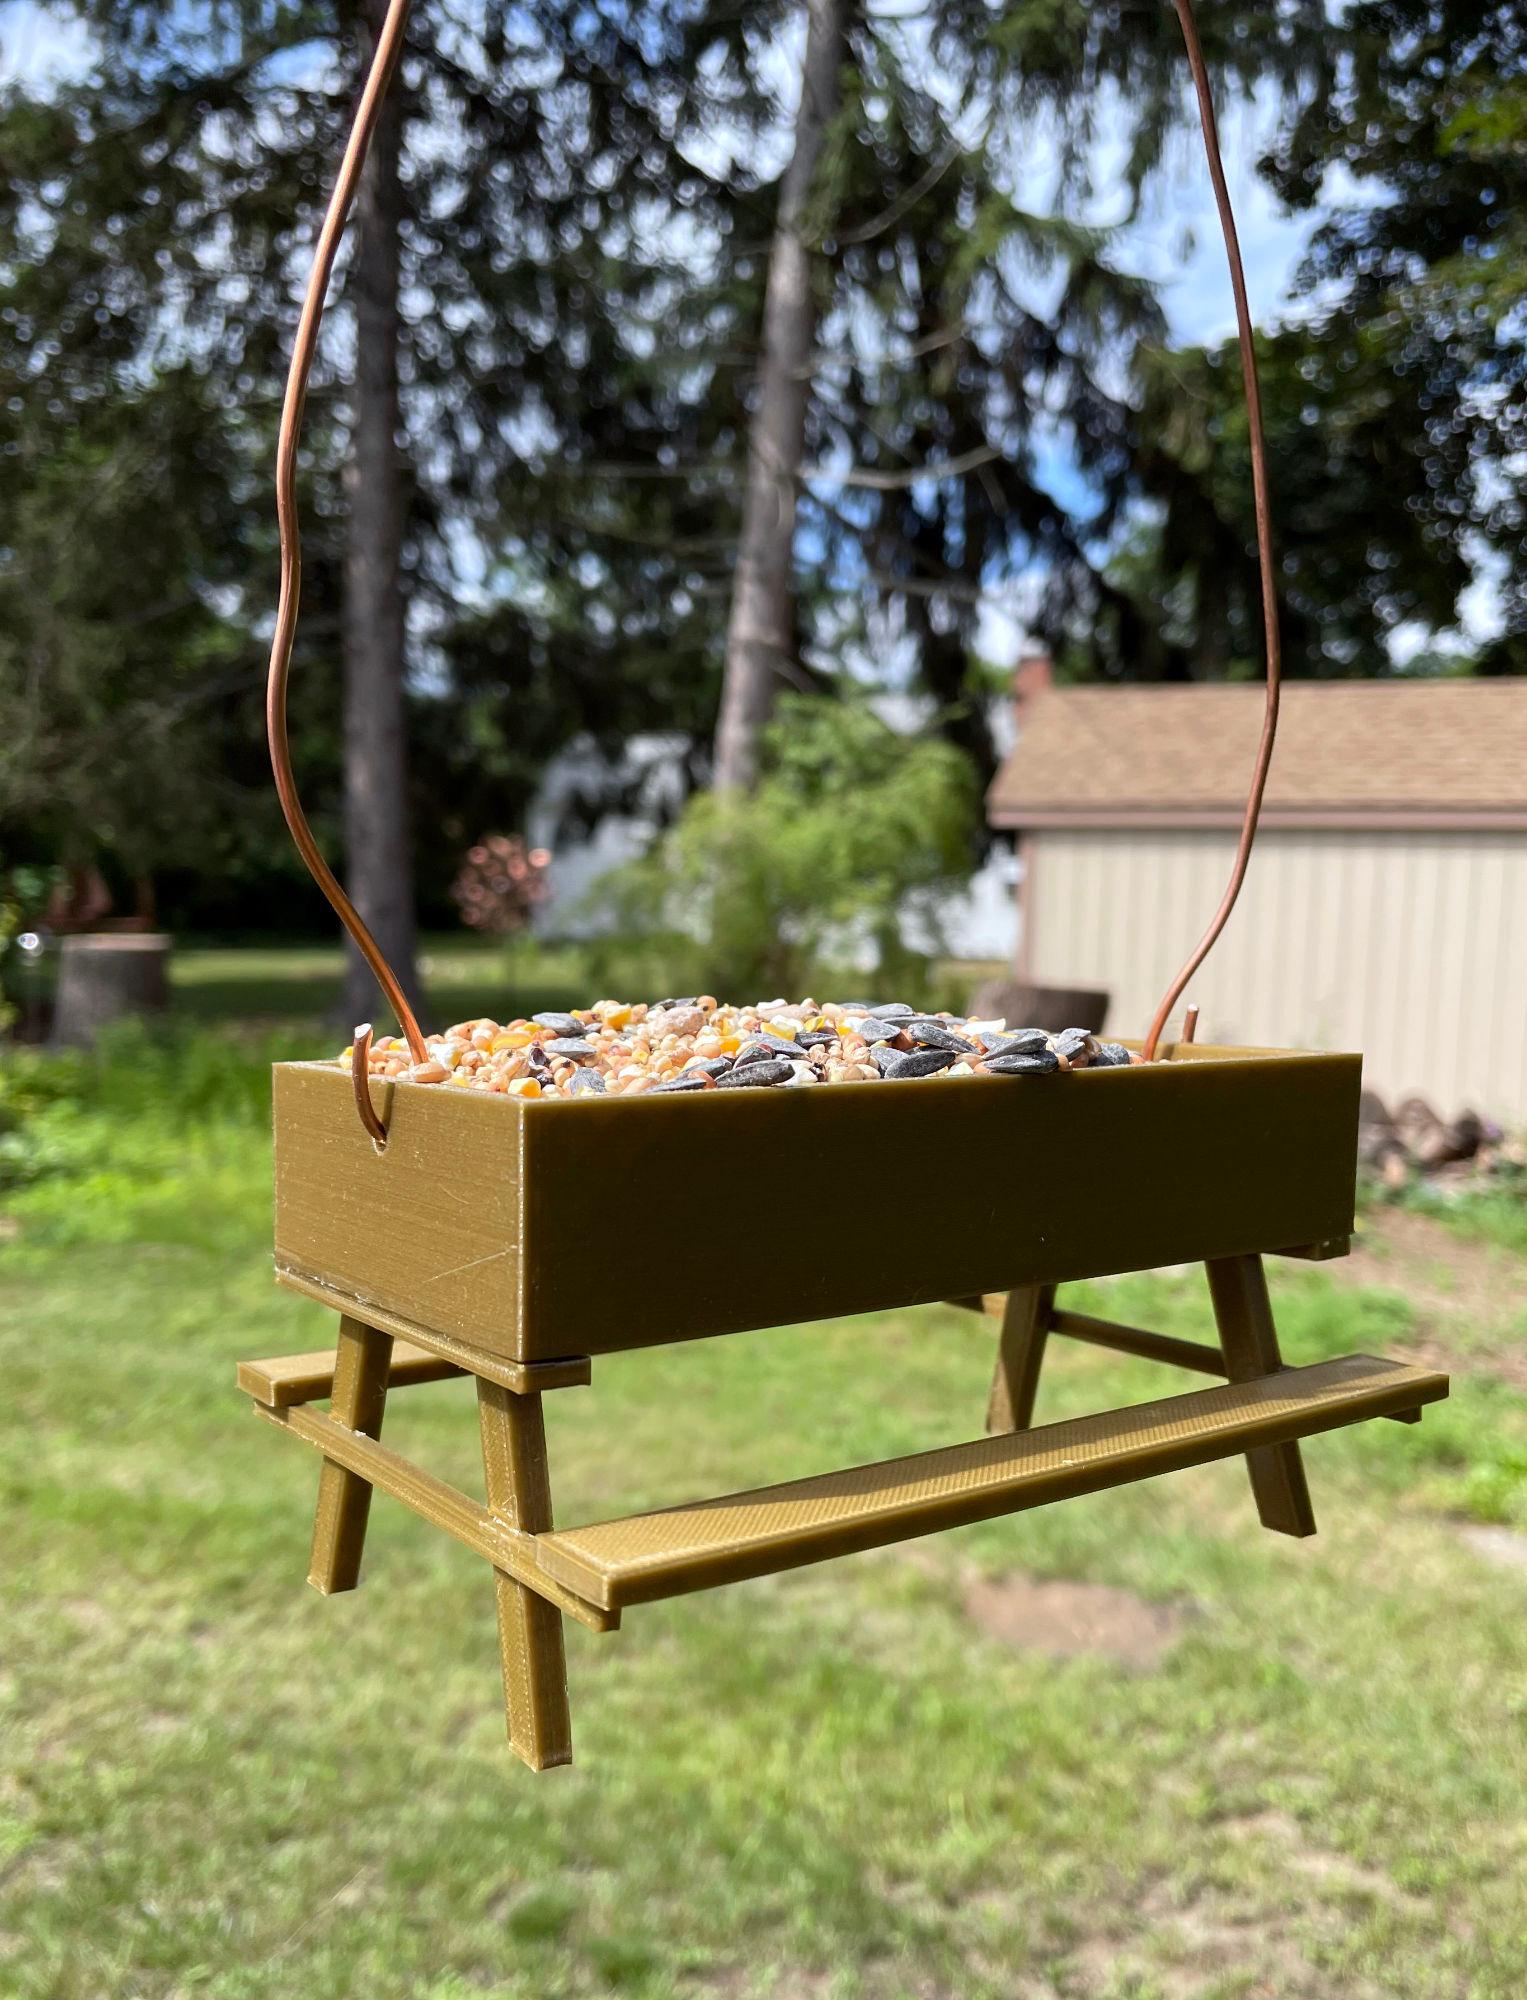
(855, 835)
(23, 891)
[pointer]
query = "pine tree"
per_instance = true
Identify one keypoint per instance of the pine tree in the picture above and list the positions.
(527, 228)
(1395, 411)
(967, 333)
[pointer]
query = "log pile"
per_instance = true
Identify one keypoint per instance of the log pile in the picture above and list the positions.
(1414, 1142)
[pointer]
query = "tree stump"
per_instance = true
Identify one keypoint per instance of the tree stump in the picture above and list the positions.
(1049, 1007)
(103, 976)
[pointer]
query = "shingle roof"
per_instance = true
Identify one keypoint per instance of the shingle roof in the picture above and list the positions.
(1348, 752)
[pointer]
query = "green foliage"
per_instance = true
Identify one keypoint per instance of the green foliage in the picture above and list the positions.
(1495, 1489)
(1342, 422)
(24, 891)
(1489, 1214)
(582, 282)
(154, 214)
(851, 827)
(1392, 395)
(1472, 1450)
(1425, 269)
(141, 1124)
(127, 676)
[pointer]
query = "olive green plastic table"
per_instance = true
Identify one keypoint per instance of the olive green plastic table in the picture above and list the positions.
(465, 1247)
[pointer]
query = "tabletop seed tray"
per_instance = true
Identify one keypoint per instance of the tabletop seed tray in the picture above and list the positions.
(513, 1241)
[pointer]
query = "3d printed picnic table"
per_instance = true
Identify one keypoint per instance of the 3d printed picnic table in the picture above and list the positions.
(469, 1246)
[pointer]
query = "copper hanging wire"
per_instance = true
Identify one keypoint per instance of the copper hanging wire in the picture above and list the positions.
(389, 43)
(1272, 639)
(360, 1083)
(384, 61)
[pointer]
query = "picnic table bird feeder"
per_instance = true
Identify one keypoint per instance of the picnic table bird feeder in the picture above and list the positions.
(1195, 1154)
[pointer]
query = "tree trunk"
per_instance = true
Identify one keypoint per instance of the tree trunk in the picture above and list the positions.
(760, 627)
(378, 862)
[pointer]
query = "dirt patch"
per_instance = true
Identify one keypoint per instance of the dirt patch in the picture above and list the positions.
(1072, 1621)
(1218, 1942)
(874, 1982)
(1505, 1547)
(1457, 1287)
(1321, 1864)
(88, 1614)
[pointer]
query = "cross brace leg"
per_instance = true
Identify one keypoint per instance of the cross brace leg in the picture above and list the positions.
(1248, 1345)
(1020, 1354)
(1243, 1313)
(344, 1497)
(529, 1628)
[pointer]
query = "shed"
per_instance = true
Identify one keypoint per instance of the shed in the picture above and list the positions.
(1386, 906)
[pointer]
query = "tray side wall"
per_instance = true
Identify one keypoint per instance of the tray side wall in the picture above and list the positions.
(770, 1207)
(429, 1229)
(554, 1229)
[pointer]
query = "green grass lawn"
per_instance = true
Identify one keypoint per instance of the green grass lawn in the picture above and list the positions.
(838, 1784)
(299, 984)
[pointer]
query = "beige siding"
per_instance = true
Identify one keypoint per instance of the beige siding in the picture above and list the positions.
(1409, 946)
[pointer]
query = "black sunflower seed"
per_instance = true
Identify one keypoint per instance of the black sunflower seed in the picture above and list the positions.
(560, 1024)
(816, 1038)
(688, 1081)
(572, 1046)
(747, 1076)
(712, 1066)
(779, 1045)
(894, 1010)
(875, 1028)
(939, 1035)
(1023, 1042)
(919, 1062)
(1042, 1062)
(1074, 1042)
(1110, 1055)
(587, 1083)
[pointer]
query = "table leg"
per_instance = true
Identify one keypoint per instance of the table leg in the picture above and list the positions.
(1020, 1351)
(529, 1628)
(344, 1498)
(1249, 1340)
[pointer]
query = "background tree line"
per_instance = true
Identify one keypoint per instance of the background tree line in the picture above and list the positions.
(658, 383)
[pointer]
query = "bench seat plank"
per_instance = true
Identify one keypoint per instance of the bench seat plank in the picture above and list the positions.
(663, 1554)
(290, 1379)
